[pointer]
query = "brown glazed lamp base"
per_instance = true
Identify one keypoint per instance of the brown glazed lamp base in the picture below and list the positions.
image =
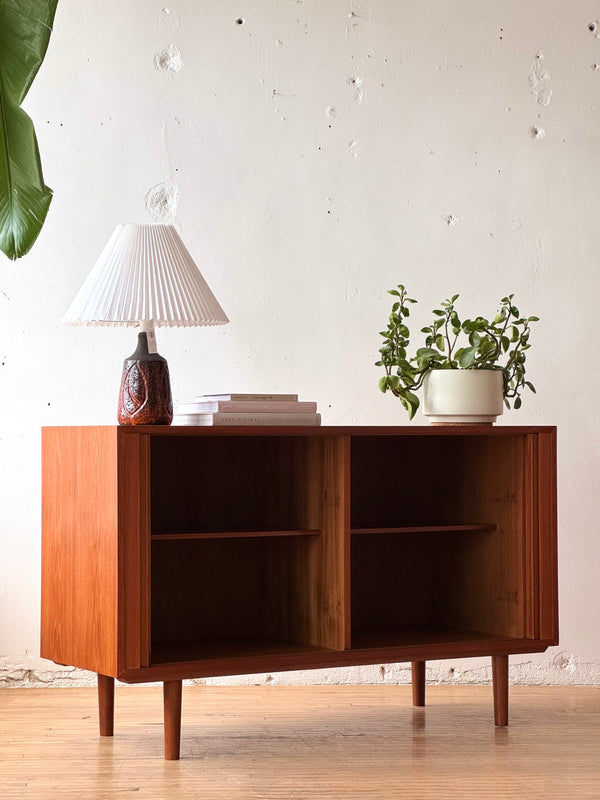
(145, 396)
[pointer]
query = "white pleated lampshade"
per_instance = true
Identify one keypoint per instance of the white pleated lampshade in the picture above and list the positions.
(145, 275)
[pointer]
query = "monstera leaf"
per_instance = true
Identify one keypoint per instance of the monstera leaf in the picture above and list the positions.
(25, 28)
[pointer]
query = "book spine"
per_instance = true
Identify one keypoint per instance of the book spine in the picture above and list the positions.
(266, 419)
(247, 407)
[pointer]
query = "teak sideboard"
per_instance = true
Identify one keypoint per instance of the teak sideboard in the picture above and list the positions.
(186, 552)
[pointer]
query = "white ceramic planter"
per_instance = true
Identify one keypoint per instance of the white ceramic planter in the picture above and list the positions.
(462, 395)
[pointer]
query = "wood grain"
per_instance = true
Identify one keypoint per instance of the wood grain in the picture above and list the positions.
(80, 547)
(233, 473)
(375, 647)
(250, 431)
(487, 588)
(548, 555)
(206, 589)
(106, 705)
(134, 552)
(306, 582)
(500, 685)
(465, 581)
(532, 539)
(166, 537)
(431, 528)
(172, 718)
(418, 683)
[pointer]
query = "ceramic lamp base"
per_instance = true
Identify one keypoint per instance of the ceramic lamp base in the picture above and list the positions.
(145, 395)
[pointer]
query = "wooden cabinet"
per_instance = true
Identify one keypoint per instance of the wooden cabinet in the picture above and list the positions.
(172, 553)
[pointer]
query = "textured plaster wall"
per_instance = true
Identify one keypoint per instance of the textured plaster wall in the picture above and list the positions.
(314, 154)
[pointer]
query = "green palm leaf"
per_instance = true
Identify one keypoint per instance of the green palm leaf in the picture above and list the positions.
(25, 28)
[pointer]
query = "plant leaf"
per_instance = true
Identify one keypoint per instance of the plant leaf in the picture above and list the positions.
(25, 28)
(410, 402)
(466, 357)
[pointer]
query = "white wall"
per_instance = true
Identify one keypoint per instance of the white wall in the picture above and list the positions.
(320, 150)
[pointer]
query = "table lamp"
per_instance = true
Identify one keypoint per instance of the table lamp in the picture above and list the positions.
(145, 277)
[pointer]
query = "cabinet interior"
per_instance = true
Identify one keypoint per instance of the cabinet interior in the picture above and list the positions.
(447, 583)
(266, 544)
(261, 569)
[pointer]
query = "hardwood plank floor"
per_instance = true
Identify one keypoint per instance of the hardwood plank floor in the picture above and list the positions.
(303, 743)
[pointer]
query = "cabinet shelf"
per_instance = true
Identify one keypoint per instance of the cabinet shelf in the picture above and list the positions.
(377, 638)
(166, 536)
(433, 528)
(229, 647)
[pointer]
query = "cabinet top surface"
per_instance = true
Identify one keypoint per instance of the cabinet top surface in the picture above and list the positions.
(320, 430)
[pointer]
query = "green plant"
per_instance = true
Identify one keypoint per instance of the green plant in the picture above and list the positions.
(500, 345)
(25, 28)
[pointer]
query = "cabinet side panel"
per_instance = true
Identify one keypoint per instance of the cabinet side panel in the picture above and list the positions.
(548, 566)
(79, 547)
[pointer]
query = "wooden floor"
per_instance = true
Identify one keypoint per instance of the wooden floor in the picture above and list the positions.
(301, 743)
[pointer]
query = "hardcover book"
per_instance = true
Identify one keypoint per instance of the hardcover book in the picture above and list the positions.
(207, 406)
(287, 398)
(223, 418)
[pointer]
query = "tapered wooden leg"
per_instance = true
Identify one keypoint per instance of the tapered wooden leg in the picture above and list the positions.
(500, 678)
(106, 704)
(418, 683)
(172, 698)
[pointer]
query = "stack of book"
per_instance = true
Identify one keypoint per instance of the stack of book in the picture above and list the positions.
(247, 409)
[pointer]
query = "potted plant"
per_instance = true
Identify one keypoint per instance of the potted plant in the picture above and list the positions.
(467, 368)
